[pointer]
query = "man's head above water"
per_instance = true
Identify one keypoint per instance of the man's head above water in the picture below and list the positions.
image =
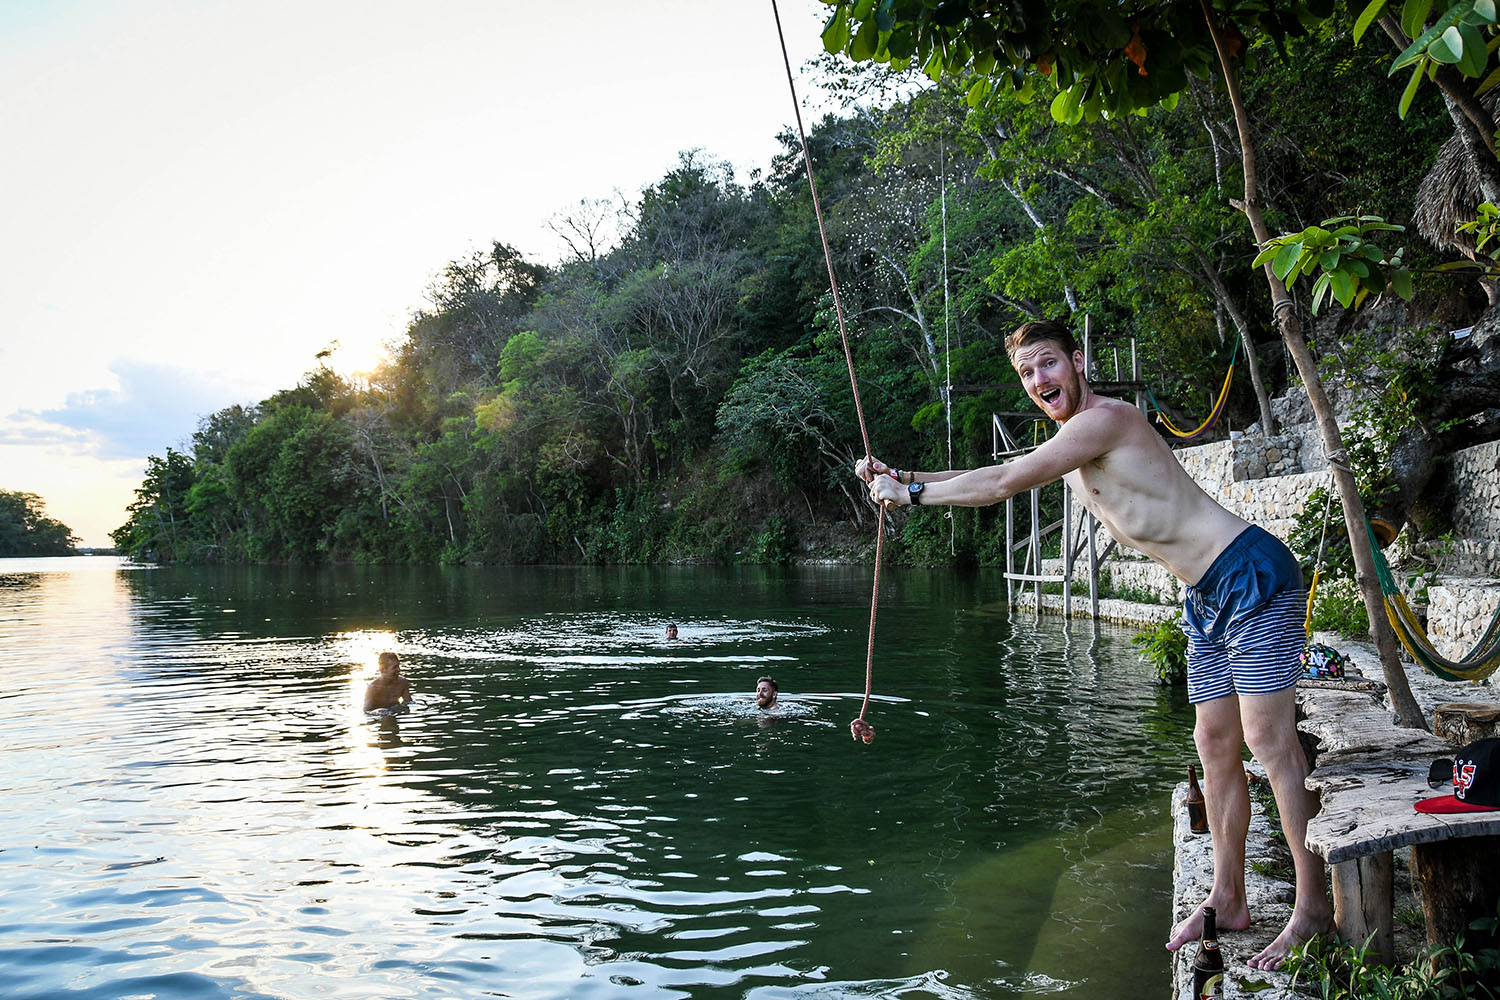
(766, 691)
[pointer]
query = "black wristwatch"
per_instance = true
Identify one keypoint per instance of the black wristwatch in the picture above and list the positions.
(914, 491)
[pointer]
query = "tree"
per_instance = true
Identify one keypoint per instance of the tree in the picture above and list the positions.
(158, 525)
(1101, 62)
(26, 530)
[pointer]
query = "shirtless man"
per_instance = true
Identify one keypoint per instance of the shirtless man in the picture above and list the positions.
(766, 692)
(391, 690)
(1243, 614)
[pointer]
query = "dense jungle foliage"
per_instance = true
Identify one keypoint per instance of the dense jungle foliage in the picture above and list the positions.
(675, 390)
(26, 530)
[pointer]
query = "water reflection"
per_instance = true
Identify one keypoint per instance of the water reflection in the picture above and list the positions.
(576, 806)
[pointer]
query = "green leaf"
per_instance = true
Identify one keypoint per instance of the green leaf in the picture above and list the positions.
(864, 43)
(1271, 250)
(1417, 49)
(1320, 289)
(836, 32)
(1366, 18)
(903, 42)
(978, 91)
(1414, 16)
(1449, 47)
(1484, 13)
(1286, 259)
(1329, 260)
(1401, 283)
(1411, 91)
(1343, 287)
(1475, 55)
(1256, 985)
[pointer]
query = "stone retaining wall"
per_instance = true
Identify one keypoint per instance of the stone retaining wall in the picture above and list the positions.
(1459, 612)
(1475, 474)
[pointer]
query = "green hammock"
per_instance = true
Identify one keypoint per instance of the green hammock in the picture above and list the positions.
(1482, 659)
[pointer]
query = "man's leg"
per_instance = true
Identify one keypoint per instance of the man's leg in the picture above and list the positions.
(1270, 726)
(1227, 801)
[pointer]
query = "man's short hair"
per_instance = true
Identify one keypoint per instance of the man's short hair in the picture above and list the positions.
(769, 680)
(1039, 330)
(389, 657)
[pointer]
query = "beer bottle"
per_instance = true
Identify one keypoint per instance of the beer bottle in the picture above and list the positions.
(1197, 816)
(1208, 964)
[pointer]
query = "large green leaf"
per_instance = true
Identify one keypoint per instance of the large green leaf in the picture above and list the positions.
(1414, 16)
(1475, 55)
(1366, 18)
(1404, 105)
(1449, 46)
(1286, 259)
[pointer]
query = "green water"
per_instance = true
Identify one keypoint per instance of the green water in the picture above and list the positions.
(577, 807)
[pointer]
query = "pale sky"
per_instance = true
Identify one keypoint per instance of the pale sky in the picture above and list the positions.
(197, 196)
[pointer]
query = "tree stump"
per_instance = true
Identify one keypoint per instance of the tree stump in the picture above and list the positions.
(1462, 722)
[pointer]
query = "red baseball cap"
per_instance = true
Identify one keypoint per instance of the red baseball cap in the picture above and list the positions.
(1476, 780)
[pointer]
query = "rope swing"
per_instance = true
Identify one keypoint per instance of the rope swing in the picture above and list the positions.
(859, 729)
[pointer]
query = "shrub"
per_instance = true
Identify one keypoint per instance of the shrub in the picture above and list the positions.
(1164, 646)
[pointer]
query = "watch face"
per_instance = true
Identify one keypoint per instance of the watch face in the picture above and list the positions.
(915, 490)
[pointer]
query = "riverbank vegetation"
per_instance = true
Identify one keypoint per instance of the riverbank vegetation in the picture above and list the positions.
(674, 389)
(26, 530)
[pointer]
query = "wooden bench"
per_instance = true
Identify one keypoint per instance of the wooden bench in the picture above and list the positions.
(1367, 775)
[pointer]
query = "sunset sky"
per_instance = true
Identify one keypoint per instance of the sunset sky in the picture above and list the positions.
(200, 195)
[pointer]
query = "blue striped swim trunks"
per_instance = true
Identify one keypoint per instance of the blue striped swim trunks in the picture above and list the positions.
(1245, 620)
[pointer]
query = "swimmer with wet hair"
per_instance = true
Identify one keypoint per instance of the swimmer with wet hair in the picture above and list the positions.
(391, 690)
(766, 691)
(672, 631)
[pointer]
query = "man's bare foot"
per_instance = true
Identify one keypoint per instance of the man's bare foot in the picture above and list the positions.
(1297, 931)
(1226, 918)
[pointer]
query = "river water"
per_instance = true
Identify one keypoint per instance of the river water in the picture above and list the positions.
(196, 807)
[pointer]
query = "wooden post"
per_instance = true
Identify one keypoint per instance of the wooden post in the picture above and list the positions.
(1362, 904)
(1067, 551)
(1459, 884)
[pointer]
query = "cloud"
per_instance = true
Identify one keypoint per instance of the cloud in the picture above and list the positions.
(155, 407)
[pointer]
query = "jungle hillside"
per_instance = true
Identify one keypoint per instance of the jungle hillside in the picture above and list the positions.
(675, 389)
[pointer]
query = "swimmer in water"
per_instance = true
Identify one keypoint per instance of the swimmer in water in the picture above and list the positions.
(671, 631)
(766, 691)
(391, 690)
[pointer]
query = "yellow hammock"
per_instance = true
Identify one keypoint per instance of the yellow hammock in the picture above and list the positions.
(1213, 415)
(1482, 660)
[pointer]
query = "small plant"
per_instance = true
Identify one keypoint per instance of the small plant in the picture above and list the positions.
(1135, 595)
(1273, 869)
(1164, 646)
(1340, 608)
(1333, 970)
(1410, 916)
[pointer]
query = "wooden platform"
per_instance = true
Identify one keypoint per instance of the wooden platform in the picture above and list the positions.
(1368, 777)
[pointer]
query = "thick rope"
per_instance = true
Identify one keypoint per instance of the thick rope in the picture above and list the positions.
(859, 729)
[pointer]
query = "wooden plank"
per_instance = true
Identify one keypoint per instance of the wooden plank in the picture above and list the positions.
(1369, 775)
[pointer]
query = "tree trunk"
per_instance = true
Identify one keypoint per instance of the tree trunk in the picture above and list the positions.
(1242, 328)
(1408, 714)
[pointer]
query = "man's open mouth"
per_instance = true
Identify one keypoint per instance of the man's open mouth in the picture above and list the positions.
(1051, 395)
